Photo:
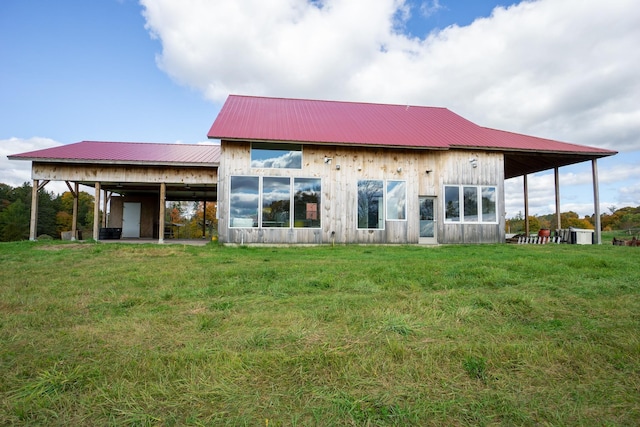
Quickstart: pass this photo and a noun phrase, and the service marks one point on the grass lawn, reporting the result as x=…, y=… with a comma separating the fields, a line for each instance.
x=115, y=334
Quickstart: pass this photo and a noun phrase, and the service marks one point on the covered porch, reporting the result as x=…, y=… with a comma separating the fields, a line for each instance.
x=132, y=182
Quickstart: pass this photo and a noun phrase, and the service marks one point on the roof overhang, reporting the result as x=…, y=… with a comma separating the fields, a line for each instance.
x=524, y=163
x=213, y=165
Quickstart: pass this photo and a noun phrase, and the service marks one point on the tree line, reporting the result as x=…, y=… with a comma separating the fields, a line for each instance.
x=627, y=218
x=55, y=212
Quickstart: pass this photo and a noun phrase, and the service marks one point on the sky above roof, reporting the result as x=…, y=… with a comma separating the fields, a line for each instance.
x=159, y=71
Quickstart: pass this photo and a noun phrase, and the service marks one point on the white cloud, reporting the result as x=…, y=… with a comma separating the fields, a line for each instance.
x=431, y=7
x=17, y=172
x=563, y=69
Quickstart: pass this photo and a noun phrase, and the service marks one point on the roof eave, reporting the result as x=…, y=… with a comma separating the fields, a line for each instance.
x=340, y=144
x=117, y=162
x=595, y=154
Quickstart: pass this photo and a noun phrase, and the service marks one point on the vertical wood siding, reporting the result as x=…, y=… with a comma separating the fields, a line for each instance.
x=339, y=192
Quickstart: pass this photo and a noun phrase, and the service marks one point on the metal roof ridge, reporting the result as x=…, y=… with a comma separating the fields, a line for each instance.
x=282, y=98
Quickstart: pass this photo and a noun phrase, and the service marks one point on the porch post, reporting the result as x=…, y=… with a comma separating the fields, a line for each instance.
x=96, y=214
x=557, y=182
x=596, y=203
x=74, y=221
x=204, y=219
x=104, y=208
x=163, y=195
x=33, y=225
x=526, y=205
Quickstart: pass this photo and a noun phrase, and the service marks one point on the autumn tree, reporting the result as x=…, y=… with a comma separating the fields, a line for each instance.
x=197, y=220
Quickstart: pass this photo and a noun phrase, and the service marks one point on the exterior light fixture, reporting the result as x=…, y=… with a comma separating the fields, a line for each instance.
x=337, y=167
x=327, y=160
x=474, y=162
x=428, y=171
x=399, y=169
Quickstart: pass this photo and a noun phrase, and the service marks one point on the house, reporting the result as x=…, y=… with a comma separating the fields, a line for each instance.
x=301, y=171
x=308, y=171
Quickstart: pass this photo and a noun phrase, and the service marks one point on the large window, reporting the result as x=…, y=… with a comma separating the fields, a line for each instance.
x=267, y=201
x=307, y=193
x=470, y=204
x=396, y=200
x=373, y=196
x=276, y=156
x=276, y=200
x=244, y=201
x=371, y=204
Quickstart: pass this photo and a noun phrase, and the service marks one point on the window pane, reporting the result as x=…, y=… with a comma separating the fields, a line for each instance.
x=451, y=203
x=243, y=201
x=276, y=199
x=370, y=204
x=279, y=156
x=396, y=200
x=489, y=204
x=470, y=204
x=427, y=217
x=306, y=199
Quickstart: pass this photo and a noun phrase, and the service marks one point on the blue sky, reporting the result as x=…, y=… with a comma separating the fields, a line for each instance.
x=159, y=70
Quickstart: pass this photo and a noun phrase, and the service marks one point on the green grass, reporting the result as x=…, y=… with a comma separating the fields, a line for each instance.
x=146, y=335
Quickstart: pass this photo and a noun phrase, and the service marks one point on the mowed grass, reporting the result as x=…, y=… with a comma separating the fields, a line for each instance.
x=146, y=335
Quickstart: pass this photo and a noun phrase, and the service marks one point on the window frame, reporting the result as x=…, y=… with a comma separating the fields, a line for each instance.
x=276, y=147
x=231, y=219
x=479, y=204
x=260, y=211
x=380, y=208
x=386, y=200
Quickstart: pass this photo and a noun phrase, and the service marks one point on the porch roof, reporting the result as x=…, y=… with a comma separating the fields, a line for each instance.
x=134, y=153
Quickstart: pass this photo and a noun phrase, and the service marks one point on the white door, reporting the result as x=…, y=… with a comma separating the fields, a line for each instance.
x=428, y=220
x=131, y=220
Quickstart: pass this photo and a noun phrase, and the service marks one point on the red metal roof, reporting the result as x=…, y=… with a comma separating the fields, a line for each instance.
x=351, y=123
x=127, y=152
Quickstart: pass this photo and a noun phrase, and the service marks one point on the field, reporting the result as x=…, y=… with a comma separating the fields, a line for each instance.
x=116, y=334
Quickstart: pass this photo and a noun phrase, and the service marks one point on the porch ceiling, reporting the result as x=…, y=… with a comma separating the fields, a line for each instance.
x=523, y=163
x=175, y=192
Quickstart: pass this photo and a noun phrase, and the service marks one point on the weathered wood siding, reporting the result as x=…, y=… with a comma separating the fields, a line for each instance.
x=339, y=192
x=122, y=173
x=455, y=168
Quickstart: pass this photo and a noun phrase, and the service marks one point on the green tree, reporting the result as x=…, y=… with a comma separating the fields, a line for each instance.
x=14, y=222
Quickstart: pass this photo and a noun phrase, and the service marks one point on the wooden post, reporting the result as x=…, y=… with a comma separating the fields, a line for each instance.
x=104, y=208
x=163, y=195
x=74, y=221
x=526, y=205
x=33, y=225
x=557, y=182
x=596, y=203
x=96, y=214
x=204, y=219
